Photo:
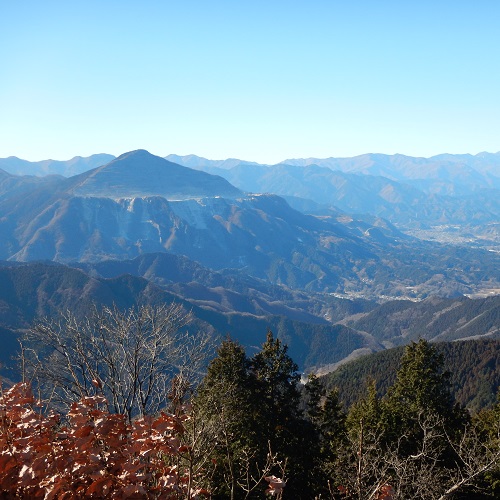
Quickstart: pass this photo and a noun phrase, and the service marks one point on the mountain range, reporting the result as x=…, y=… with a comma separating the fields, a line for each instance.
x=140, y=203
x=448, y=198
x=444, y=173
x=316, y=254
x=76, y=165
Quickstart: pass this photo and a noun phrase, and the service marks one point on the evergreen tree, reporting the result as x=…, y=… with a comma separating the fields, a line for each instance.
x=421, y=383
x=487, y=425
x=422, y=422
x=315, y=393
x=283, y=425
x=277, y=375
x=359, y=458
x=332, y=427
x=325, y=413
x=422, y=390
x=367, y=413
x=226, y=404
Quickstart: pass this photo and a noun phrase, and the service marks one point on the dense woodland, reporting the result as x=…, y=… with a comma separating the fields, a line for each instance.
x=472, y=366
x=121, y=412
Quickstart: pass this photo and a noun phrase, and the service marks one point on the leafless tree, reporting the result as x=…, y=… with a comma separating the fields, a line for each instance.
x=131, y=357
x=476, y=455
x=371, y=470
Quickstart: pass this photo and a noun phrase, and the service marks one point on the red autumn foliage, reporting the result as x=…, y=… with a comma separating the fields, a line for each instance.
x=95, y=455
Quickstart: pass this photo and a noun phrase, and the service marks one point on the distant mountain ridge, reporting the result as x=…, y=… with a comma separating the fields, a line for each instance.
x=416, y=193
x=480, y=170
x=76, y=165
x=401, y=203
x=194, y=161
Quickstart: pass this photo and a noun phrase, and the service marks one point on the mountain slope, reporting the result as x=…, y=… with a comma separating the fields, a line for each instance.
x=474, y=367
x=444, y=174
x=230, y=290
x=400, y=203
x=436, y=319
x=33, y=290
x=261, y=236
x=139, y=173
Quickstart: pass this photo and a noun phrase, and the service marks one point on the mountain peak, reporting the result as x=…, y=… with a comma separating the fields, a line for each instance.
x=136, y=153
x=139, y=173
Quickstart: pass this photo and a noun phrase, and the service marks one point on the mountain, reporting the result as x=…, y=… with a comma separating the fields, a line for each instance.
x=120, y=211
x=260, y=235
x=75, y=166
x=200, y=163
x=33, y=290
x=141, y=228
x=12, y=186
x=321, y=331
x=435, y=319
x=420, y=195
x=139, y=173
x=228, y=290
x=443, y=174
x=402, y=204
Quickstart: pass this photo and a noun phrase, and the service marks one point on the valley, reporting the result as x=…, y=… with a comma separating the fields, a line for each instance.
x=297, y=247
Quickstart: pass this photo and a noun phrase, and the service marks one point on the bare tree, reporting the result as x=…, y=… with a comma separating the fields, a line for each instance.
x=476, y=455
x=131, y=357
x=372, y=470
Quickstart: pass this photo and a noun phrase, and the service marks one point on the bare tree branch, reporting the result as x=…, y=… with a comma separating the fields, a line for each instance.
x=130, y=357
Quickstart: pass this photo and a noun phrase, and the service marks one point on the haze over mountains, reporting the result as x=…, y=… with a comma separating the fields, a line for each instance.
x=298, y=247
x=424, y=196
x=140, y=203
x=75, y=166
x=449, y=170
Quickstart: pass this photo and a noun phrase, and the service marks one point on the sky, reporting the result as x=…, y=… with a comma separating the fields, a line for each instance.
x=257, y=80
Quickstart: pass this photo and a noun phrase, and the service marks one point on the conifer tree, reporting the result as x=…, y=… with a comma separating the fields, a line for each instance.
x=421, y=383
x=333, y=430
x=328, y=418
x=359, y=459
x=422, y=390
x=315, y=393
x=282, y=423
x=226, y=403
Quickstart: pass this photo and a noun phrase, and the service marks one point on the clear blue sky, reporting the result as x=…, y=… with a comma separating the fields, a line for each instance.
x=257, y=80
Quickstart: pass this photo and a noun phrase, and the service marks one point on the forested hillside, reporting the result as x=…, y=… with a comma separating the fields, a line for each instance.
x=474, y=368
